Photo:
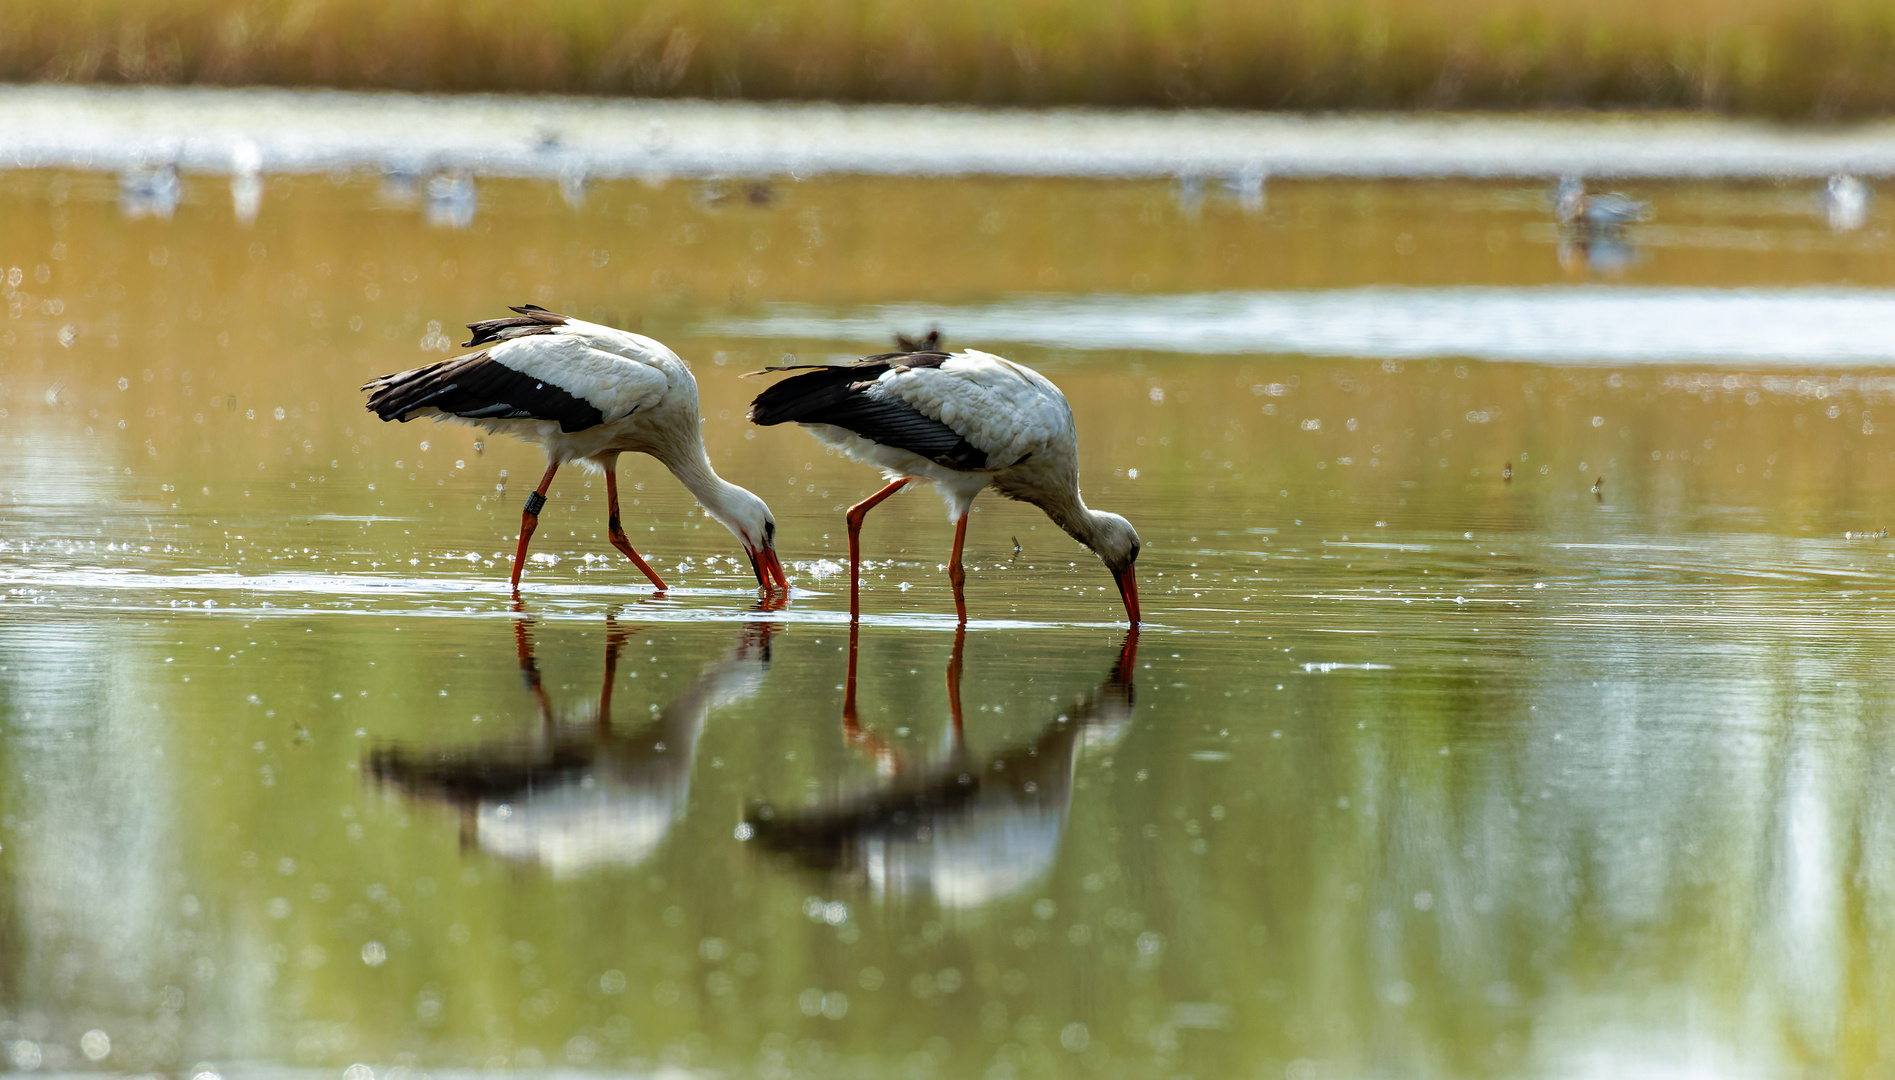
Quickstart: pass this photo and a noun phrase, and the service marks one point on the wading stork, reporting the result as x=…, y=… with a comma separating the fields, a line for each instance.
x=586, y=393
x=966, y=421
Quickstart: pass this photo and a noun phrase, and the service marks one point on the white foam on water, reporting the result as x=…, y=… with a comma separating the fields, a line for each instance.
x=250, y=595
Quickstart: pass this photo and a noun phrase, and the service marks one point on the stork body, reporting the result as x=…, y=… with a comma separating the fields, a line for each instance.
x=586, y=393
x=966, y=421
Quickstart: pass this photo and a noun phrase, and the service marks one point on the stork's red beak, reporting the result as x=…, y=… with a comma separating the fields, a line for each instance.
x=1128, y=591
x=769, y=569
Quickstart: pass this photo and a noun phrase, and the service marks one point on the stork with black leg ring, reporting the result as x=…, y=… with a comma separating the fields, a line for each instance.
x=586, y=393
x=966, y=421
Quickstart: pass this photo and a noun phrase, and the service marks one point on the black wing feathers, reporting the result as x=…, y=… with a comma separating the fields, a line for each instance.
x=486, y=772
x=479, y=388
x=532, y=319
x=844, y=395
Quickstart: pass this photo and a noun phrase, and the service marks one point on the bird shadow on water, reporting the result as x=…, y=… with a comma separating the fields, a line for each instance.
x=963, y=830
x=579, y=792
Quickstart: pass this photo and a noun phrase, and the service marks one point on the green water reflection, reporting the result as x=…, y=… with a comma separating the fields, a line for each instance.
x=1419, y=769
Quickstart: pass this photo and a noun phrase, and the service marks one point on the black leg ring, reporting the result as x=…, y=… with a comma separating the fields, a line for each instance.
x=534, y=503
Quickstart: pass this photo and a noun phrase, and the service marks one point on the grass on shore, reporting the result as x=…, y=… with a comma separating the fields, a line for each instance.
x=1790, y=59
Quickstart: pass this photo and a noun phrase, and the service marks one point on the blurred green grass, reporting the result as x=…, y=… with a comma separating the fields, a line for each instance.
x=1829, y=59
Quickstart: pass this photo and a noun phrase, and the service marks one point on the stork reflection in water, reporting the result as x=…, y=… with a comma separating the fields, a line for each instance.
x=1592, y=236
x=579, y=792
x=964, y=830
x=1607, y=253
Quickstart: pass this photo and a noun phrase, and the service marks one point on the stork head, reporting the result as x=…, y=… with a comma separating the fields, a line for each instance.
x=1116, y=543
x=749, y=520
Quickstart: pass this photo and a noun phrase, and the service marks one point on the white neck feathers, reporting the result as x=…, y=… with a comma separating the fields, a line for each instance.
x=689, y=462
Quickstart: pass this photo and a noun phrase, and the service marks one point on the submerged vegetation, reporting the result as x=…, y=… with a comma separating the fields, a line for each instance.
x=1780, y=58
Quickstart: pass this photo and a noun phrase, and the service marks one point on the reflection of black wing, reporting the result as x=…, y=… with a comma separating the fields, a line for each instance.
x=478, y=387
x=846, y=396
x=823, y=839
x=496, y=771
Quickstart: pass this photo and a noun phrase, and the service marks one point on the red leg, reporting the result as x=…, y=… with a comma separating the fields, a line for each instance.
x=523, y=645
x=530, y=520
x=851, y=726
x=954, y=683
x=617, y=532
x=856, y=514
x=614, y=643
x=956, y=574
x=852, y=729
x=530, y=672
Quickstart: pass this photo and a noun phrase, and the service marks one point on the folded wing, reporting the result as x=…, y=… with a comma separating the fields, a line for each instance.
x=850, y=397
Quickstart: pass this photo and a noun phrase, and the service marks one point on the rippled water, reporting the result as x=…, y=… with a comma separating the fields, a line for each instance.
x=1513, y=702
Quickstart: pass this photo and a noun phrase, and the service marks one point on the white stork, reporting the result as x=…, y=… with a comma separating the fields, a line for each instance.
x=967, y=421
x=584, y=393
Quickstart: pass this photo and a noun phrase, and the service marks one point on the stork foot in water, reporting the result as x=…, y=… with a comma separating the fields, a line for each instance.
x=530, y=520
x=617, y=531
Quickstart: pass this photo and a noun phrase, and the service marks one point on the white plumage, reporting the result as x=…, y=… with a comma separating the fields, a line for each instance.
x=584, y=393
x=615, y=371
x=965, y=421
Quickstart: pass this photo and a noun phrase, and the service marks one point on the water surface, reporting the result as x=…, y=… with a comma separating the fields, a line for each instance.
x=1513, y=701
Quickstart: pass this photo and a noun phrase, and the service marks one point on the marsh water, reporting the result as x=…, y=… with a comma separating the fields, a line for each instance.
x=1514, y=699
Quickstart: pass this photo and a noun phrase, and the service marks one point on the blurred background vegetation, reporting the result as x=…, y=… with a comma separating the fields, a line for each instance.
x=1790, y=59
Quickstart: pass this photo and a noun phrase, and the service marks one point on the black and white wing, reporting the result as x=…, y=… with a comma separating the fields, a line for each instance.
x=850, y=396
x=571, y=373
x=967, y=410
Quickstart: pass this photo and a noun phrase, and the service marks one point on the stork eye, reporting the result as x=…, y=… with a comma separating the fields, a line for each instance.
x=769, y=530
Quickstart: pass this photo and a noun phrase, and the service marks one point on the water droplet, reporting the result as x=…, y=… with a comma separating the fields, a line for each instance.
x=95, y=1045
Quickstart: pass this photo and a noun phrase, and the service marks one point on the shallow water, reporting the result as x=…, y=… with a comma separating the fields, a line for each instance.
x=1512, y=702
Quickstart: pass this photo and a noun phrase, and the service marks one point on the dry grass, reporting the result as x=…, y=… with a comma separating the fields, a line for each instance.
x=1781, y=58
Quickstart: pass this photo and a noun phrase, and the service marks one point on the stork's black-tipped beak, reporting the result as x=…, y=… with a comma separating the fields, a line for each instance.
x=1128, y=591
x=769, y=569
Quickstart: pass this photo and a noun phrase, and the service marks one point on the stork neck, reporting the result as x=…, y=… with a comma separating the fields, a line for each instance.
x=1070, y=512
x=692, y=466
